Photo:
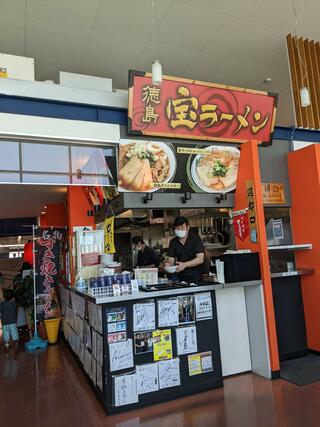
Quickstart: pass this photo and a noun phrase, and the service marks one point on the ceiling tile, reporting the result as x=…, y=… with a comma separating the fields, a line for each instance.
x=54, y=39
x=238, y=39
x=189, y=27
x=12, y=6
x=273, y=13
x=285, y=113
x=273, y=51
x=227, y=7
x=252, y=75
x=12, y=34
x=307, y=23
x=74, y=13
x=170, y=57
x=129, y=18
x=119, y=56
x=47, y=67
x=210, y=68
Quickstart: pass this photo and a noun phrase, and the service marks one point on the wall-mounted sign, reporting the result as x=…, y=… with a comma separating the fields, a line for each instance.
x=252, y=212
x=181, y=108
x=273, y=193
x=147, y=166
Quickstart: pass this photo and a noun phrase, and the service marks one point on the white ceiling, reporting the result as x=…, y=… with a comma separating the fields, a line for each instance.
x=239, y=42
x=20, y=200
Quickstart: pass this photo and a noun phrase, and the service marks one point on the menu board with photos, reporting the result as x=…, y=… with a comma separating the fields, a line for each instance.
x=149, y=166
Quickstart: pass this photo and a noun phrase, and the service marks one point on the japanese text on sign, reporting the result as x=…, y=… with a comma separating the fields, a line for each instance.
x=189, y=109
x=251, y=211
x=273, y=193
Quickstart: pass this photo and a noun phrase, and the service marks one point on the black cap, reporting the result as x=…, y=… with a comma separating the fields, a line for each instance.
x=180, y=220
x=137, y=239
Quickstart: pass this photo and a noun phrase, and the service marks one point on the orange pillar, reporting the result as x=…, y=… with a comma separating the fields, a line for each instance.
x=78, y=207
x=55, y=216
x=304, y=175
x=249, y=170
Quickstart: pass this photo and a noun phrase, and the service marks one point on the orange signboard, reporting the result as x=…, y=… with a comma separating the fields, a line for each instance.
x=273, y=193
x=181, y=108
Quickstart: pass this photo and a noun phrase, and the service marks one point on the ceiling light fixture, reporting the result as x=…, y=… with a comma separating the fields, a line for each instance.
x=156, y=65
x=304, y=91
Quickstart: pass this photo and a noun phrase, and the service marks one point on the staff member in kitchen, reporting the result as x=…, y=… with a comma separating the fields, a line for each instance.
x=147, y=258
x=186, y=250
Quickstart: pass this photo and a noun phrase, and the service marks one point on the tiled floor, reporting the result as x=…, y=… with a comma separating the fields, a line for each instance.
x=48, y=389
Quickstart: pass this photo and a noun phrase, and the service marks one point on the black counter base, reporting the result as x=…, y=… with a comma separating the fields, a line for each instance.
x=186, y=392
x=99, y=394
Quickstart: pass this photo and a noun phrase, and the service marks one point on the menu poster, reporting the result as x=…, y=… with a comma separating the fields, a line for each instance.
x=200, y=363
x=148, y=166
x=162, y=344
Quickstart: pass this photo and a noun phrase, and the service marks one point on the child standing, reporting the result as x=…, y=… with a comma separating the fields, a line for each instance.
x=8, y=313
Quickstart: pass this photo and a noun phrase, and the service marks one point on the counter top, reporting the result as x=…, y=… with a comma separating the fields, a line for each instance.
x=300, y=272
x=169, y=292
x=243, y=284
x=155, y=294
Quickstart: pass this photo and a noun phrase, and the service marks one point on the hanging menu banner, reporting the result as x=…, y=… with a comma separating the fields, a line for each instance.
x=147, y=166
x=181, y=108
x=48, y=248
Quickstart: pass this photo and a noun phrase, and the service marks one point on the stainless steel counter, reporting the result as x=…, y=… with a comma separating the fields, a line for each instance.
x=301, y=272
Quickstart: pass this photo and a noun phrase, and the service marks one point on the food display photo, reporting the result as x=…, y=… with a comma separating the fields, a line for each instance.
x=148, y=166
x=216, y=170
x=144, y=164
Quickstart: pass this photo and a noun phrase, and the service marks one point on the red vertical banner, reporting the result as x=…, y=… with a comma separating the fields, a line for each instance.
x=48, y=249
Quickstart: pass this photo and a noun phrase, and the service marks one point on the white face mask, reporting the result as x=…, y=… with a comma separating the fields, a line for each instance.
x=181, y=233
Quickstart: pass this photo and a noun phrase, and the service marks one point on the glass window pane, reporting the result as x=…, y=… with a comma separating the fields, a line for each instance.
x=92, y=180
x=45, y=158
x=45, y=179
x=89, y=160
x=9, y=177
x=9, y=155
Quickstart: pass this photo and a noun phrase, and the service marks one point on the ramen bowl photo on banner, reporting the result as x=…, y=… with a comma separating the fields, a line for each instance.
x=149, y=166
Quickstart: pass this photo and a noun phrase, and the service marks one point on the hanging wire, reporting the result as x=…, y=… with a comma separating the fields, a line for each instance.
x=153, y=27
x=302, y=65
x=25, y=28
